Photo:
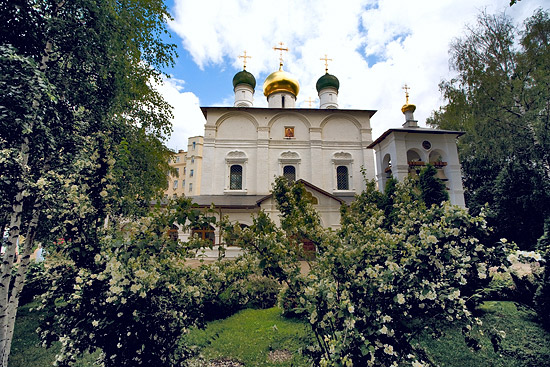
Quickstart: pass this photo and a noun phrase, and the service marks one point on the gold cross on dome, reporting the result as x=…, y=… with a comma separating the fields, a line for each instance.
x=309, y=101
x=281, y=49
x=326, y=59
x=244, y=57
x=406, y=88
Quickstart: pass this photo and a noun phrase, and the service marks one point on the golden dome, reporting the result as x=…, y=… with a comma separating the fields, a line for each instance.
x=281, y=81
x=408, y=108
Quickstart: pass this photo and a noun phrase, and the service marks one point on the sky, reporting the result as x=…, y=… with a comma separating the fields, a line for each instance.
x=376, y=48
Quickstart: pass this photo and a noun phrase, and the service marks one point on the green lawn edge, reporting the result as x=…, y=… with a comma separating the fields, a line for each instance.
x=250, y=335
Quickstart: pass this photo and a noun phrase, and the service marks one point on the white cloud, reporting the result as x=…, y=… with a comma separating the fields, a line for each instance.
x=188, y=119
x=409, y=40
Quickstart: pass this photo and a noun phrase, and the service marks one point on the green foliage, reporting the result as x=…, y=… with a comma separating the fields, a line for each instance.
x=432, y=189
x=27, y=349
x=138, y=297
x=35, y=284
x=525, y=344
x=235, y=285
x=373, y=287
x=249, y=336
x=499, y=98
x=280, y=248
x=532, y=289
x=253, y=292
x=79, y=83
x=541, y=299
x=134, y=300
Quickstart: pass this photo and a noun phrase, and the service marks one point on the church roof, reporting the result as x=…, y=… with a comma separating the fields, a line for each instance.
x=281, y=81
x=414, y=130
x=254, y=201
x=299, y=110
x=327, y=81
x=244, y=77
x=228, y=201
x=311, y=187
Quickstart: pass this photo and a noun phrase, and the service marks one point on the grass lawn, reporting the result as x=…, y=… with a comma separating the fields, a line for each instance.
x=26, y=350
x=250, y=336
x=526, y=344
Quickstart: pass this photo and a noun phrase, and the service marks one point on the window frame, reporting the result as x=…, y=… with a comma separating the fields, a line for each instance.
x=342, y=159
x=290, y=166
x=338, y=174
x=231, y=173
x=236, y=157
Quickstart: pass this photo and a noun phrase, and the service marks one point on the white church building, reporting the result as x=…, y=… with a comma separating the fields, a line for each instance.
x=245, y=148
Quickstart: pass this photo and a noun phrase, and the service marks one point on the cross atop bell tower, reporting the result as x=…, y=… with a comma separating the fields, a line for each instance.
x=406, y=88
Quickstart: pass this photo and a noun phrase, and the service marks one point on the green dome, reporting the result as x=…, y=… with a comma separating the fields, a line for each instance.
x=327, y=81
x=244, y=77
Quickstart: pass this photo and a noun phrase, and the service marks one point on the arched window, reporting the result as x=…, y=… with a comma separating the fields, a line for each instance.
x=205, y=233
x=289, y=172
x=173, y=232
x=236, y=177
x=235, y=172
x=342, y=180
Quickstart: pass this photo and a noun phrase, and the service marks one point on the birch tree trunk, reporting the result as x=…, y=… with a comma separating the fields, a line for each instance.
x=19, y=282
x=9, y=257
x=8, y=305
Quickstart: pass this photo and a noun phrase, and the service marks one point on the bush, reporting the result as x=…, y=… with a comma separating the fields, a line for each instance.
x=133, y=301
x=261, y=291
x=372, y=286
x=532, y=290
x=501, y=288
x=35, y=282
x=235, y=285
x=289, y=304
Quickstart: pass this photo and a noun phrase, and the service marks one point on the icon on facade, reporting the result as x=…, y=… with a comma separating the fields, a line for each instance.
x=289, y=132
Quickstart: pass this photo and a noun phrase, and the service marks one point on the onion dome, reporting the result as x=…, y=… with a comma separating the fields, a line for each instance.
x=244, y=77
x=408, y=108
x=327, y=81
x=281, y=81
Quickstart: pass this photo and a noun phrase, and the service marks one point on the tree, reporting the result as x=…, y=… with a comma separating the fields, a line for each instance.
x=136, y=299
x=500, y=98
x=76, y=80
x=373, y=288
x=432, y=189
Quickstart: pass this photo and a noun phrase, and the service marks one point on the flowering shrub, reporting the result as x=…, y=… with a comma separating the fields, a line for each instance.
x=235, y=285
x=374, y=287
x=533, y=289
x=133, y=309
x=133, y=302
x=137, y=298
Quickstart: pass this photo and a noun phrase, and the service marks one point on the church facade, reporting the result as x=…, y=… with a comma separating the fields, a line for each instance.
x=245, y=148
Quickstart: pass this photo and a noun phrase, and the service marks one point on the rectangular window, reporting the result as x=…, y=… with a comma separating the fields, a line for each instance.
x=289, y=172
x=192, y=159
x=236, y=177
x=191, y=173
x=184, y=170
x=183, y=184
x=177, y=159
x=175, y=184
x=194, y=143
x=342, y=179
x=190, y=187
x=177, y=172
